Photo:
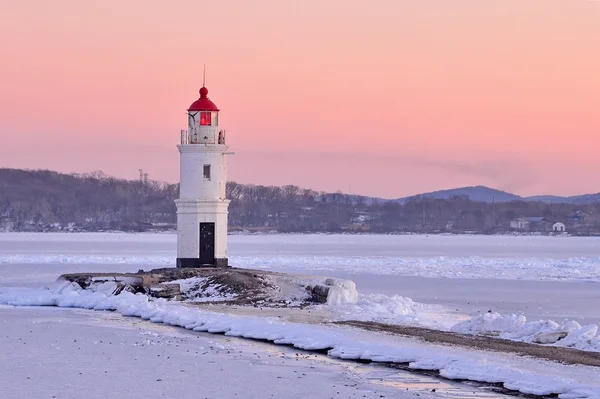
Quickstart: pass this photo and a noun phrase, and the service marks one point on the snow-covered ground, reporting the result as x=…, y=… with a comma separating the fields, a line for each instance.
x=450, y=278
x=191, y=290
x=72, y=354
x=521, y=374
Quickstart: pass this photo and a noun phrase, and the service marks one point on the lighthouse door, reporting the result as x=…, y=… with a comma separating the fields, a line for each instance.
x=207, y=243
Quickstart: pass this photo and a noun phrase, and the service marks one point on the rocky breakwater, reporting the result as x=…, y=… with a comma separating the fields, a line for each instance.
x=222, y=285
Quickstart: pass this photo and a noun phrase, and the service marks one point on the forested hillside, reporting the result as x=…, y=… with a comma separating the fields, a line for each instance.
x=49, y=201
x=30, y=200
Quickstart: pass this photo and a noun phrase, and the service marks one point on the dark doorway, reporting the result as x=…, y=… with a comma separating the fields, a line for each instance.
x=207, y=243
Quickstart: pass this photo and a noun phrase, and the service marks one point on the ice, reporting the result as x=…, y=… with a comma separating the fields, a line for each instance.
x=75, y=354
x=524, y=375
x=400, y=310
x=464, y=269
x=582, y=338
x=341, y=291
x=515, y=327
x=380, y=308
x=500, y=257
x=491, y=324
x=472, y=257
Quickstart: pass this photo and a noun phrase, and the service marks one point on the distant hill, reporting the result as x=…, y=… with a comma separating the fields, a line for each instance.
x=488, y=195
x=553, y=199
x=575, y=200
x=476, y=193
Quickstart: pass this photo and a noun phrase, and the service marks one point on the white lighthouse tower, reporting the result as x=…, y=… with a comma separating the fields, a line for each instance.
x=202, y=206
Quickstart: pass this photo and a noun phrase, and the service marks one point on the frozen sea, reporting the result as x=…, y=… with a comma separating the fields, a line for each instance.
x=58, y=352
x=542, y=277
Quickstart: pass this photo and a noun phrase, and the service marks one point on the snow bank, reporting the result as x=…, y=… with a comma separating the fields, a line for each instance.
x=399, y=310
x=522, y=374
x=70, y=295
x=381, y=308
x=516, y=327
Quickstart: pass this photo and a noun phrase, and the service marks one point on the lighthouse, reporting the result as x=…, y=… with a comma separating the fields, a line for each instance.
x=202, y=206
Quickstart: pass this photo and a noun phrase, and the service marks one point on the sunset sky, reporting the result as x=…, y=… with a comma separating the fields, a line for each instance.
x=382, y=97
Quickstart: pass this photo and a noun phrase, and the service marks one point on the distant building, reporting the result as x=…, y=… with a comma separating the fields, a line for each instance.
x=537, y=219
x=535, y=223
x=519, y=224
x=559, y=227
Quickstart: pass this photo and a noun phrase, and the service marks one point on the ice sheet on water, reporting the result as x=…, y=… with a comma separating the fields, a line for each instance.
x=476, y=267
x=478, y=257
x=522, y=374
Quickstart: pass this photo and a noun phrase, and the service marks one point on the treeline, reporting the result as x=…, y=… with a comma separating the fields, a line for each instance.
x=49, y=201
x=46, y=200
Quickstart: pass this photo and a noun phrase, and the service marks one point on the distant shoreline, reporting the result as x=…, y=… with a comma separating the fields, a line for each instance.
x=361, y=233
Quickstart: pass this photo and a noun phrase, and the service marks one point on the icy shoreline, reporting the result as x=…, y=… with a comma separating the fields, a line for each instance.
x=524, y=375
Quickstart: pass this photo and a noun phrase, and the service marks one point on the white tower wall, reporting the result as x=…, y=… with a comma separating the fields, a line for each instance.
x=193, y=184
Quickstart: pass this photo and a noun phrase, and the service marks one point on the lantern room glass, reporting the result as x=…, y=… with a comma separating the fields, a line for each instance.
x=205, y=119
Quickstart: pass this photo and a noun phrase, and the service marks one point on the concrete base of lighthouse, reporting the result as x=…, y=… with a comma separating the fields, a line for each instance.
x=202, y=233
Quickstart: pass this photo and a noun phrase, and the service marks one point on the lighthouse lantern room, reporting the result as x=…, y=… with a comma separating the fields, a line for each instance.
x=202, y=206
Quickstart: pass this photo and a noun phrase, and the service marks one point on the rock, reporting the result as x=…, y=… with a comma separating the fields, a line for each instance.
x=165, y=290
x=236, y=286
x=319, y=292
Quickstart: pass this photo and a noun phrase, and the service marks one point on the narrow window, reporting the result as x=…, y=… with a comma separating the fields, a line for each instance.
x=207, y=172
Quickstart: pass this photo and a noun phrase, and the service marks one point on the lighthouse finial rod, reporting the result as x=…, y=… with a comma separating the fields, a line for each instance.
x=204, y=76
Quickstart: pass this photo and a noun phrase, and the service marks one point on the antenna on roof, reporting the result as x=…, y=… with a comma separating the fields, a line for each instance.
x=204, y=76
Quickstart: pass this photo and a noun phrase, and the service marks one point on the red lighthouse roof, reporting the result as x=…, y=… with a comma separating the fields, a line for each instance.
x=203, y=103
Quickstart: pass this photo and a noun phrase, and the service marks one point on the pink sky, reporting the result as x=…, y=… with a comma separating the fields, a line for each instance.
x=386, y=98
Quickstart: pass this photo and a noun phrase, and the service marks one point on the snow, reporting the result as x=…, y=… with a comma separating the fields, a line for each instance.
x=398, y=310
x=395, y=309
x=74, y=354
x=516, y=327
x=549, y=283
x=201, y=289
x=461, y=300
x=474, y=257
x=341, y=291
x=524, y=375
